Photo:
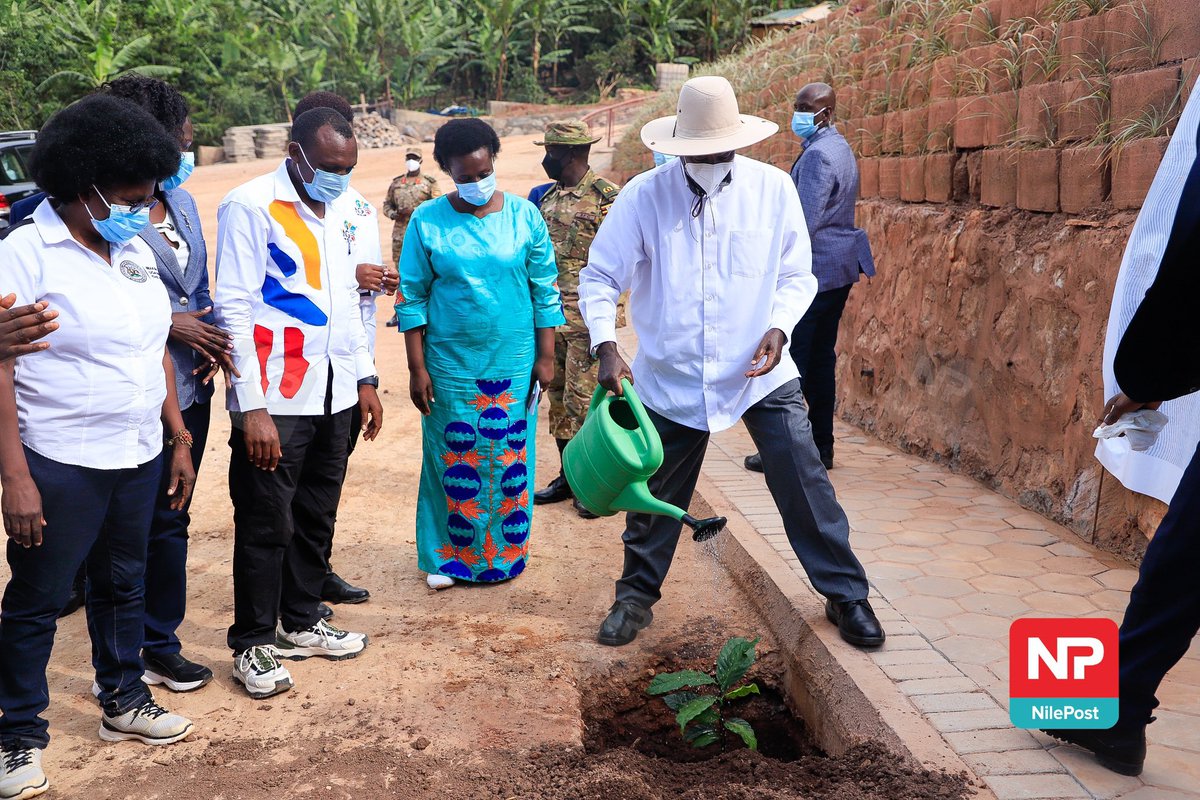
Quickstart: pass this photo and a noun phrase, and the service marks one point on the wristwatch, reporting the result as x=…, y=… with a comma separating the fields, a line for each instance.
x=371, y=381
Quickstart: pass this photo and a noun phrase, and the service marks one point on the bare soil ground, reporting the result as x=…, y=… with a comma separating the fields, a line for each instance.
x=495, y=692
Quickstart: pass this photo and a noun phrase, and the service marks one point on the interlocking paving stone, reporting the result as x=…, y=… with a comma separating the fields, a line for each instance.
x=983, y=719
x=1014, y=762
x=1102, y=783
x=954, y=701
x=1035, y=787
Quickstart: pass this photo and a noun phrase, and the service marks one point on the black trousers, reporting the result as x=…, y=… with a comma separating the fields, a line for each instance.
x=283, y=525
x=816, y=526
x=1164, y=607
x=812, y=348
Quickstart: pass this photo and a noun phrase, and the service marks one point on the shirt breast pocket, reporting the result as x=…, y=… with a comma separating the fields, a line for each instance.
x=748, y=251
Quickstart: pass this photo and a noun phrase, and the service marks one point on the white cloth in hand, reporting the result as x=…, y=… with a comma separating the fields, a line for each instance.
x=1141, y=428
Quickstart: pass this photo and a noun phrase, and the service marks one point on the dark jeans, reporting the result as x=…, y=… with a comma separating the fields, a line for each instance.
x=1164, y=607
x=283, y=524
x=166, y=556
x=816, y=526
x=95, y=514
x=812, y=348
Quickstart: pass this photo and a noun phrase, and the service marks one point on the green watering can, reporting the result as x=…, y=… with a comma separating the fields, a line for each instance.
x=608, y=462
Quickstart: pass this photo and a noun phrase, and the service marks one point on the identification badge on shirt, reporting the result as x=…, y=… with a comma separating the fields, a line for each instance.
x=134, y=272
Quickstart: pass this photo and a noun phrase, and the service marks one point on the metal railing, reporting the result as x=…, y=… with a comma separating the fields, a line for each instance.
x=610, y=112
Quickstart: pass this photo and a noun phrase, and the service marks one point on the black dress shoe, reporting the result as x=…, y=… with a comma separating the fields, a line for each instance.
x=325, y=611
x=754, y=463
x=624, y=621
x=175, y=672
x=827, y=460
x=583, y=512
x=74, y=602
x=1121, y=748
x=856, y=622
x=556, y=492
x=337, y=590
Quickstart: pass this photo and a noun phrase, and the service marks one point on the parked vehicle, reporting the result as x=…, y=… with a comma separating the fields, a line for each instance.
x=15, y=183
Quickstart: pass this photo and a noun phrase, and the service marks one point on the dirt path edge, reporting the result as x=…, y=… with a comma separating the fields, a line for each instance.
x=843, y=697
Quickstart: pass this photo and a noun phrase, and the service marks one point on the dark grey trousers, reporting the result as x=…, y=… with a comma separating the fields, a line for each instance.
x=815, y=523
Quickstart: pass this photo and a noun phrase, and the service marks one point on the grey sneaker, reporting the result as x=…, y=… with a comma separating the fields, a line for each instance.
x=149, y=723
x=259, y=671
x=322, y=639
x=21, y=774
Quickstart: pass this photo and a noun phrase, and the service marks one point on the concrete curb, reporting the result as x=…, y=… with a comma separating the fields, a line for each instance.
x=844, y=698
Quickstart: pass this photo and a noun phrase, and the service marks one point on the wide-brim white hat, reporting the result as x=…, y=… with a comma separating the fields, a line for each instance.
x=707, y=121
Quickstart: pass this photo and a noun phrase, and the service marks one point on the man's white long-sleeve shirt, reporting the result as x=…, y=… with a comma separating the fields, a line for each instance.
x=287, y=293
x=703, y=290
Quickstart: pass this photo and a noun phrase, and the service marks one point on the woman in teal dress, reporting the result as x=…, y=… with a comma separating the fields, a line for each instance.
x=478, y=304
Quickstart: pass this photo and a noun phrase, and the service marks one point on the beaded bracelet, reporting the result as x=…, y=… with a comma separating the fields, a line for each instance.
x=183, y=437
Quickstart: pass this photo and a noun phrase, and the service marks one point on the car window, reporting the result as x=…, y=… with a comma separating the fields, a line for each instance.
x=12, y=167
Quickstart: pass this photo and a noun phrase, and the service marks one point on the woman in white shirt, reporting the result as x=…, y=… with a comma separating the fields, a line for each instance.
x=81, y=425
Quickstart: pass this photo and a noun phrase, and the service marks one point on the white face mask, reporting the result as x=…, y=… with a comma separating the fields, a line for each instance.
x=412, y=164
x=709, y=176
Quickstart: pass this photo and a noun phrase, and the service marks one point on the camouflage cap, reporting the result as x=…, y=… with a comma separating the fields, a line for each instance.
x=414, y=151
x=568, y=132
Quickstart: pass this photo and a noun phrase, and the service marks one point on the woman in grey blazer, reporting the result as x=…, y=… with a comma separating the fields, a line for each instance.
x=198, y=350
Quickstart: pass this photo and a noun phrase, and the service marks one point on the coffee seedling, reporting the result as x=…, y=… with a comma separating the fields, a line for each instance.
x=701, y=700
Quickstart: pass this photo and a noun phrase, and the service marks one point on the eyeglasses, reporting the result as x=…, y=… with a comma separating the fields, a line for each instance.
x=126, y=208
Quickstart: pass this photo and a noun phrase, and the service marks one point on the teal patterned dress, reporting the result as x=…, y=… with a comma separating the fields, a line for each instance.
x=479, y=287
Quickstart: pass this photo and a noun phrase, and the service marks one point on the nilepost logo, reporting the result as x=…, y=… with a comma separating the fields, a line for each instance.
x=1063, y=673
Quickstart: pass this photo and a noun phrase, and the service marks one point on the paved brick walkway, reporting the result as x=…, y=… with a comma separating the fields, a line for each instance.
x=951, y=564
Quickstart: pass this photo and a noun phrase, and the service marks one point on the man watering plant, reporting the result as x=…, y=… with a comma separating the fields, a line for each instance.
x=715, y=254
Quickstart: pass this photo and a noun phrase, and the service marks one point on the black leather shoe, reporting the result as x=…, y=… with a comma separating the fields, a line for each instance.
x=754, y=463
x=624, y=621
x=1121, y=748
x=175, y=672
x=74, y=602
x=856, y=622
x=325, y=611
x=394, y=322
x=583, y=512
x=827, y=460
x=556, y=492
x=337, y=590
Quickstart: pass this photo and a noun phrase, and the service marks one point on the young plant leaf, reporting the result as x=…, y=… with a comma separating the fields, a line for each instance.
x=735, y=660
x=705, y=739
x=674, y=681
x=742, y=691
x=693, y=709
x=677, y=700
x=696, y=731
x=708, y=717
x=742, y=729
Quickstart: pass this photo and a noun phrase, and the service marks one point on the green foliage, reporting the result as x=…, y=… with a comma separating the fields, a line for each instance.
x=701, y=716
x=248, y=61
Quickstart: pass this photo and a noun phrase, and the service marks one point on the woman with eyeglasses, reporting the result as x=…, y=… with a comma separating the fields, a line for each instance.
x=478, y=304
x=81, y=426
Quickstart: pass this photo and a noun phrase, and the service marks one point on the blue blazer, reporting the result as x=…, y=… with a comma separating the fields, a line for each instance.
x=826, y=176
x=188, y=290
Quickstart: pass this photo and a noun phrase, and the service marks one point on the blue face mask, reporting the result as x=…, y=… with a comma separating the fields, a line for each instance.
x=325, y=187
x=187, y=165
x=478, y=193
x=123, y=223
x=804, y=123
x=660, y=159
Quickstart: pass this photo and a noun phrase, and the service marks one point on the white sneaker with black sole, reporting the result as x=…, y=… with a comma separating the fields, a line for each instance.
x=149, y=723
x=322, y=640
x=21, y=774
x=259, y=671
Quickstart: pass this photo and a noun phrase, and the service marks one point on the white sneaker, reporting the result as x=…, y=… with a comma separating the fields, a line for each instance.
x=322, y=640
x=439, y=582
x=149, y=723
x=21, y=774
x=258, y=669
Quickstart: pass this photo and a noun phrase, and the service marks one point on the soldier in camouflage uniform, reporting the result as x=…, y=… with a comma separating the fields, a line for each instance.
x=404, y=195
x=573, y=210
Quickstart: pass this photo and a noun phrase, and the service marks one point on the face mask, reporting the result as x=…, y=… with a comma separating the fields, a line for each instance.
x=660, y=159
x=553, y=167
x=804, y=123
x=187, y=165
x=123, y=224
x=709, y=176
x=325, y=186
x=477, y=194
x=412, y=164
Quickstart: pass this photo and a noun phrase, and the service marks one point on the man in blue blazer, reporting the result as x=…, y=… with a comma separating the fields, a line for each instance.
x=826, y=176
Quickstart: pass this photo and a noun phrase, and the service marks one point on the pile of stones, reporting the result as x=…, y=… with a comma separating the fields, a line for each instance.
x=270, y=141
x=373, y=131
x=239, y=144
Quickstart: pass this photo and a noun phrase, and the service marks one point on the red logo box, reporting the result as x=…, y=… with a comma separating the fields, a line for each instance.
x=1050, y=658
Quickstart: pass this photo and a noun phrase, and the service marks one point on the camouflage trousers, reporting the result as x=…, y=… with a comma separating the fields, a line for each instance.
x=397, y=244
x=574, y=382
